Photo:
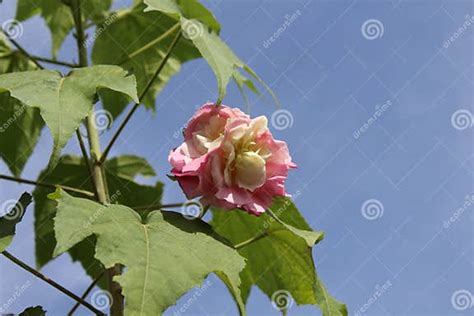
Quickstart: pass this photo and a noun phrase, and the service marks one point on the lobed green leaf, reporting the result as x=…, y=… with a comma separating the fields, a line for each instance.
x=200, y=26
x=65, y=101
x=281, y=260
x=165, y=255
x=17, y=121
x=71, y=171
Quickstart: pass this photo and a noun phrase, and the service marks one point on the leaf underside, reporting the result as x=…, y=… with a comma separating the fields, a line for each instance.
x=65, y=101
x=122, y=190
x=17, y=122
x=152, y=281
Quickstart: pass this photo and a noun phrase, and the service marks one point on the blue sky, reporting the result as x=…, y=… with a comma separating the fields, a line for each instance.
x=405, y=70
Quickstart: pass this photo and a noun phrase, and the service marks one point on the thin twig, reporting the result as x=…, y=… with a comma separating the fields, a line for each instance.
x=145, y=91
x=53, y=61
x=150, y=44
x=251, y=240
x=158, y=206
x=86, y=292
x=47, y=185
x=87, y=161
x=51, y=282
x=22, y=50
x=204, y=211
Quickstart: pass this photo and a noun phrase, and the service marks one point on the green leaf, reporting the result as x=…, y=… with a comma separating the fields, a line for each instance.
x=129, y=166
x=33, y=311
x=71, y=171
x=58, y=16
x=65, y=101
x=199, y=25
x=17, y=122
x=152, y=281
x=190, y=9
x=285, y=238
x=138, y=29
x=14, y=216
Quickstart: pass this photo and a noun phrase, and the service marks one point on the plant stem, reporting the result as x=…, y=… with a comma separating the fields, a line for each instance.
x=47, y=185
x=95, y=153
x=98, y=176
x=142, y=95
x=52, y=61
x=87, y=161
x=86, y=292
x=51, y=282
x=22, y=50
x=251, y=240
x=157, y=206
x=150, y=44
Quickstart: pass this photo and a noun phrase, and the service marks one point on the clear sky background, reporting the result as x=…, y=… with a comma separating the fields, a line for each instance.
x=332, y=76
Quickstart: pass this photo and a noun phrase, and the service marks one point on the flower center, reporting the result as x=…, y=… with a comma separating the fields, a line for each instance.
x=249, y=172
